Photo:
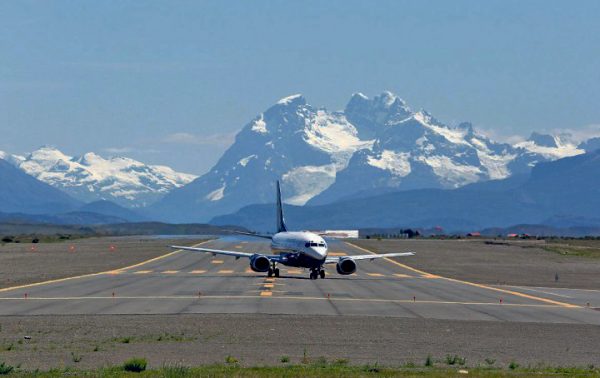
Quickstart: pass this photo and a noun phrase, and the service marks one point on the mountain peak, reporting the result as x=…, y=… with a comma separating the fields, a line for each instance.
x=543, y=140
x=294, y=100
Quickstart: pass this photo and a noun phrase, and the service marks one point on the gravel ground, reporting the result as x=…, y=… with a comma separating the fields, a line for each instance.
x=26, y=263
x=96, y=341
x=521, y=263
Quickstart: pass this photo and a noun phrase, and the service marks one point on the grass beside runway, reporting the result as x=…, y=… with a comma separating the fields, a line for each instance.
x=311, y=369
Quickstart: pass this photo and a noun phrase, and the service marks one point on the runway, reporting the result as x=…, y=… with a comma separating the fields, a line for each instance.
x=189, y=282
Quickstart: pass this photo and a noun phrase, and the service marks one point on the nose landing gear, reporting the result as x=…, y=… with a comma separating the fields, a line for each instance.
x=316, y=273
x=273, y=271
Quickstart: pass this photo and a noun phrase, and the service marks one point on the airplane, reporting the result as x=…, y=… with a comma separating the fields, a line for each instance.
x=299, y=249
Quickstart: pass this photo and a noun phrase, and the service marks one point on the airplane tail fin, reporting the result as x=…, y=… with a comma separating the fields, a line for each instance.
x=280, y=221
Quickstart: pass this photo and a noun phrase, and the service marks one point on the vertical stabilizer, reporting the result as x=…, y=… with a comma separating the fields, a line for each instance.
x=280, y=221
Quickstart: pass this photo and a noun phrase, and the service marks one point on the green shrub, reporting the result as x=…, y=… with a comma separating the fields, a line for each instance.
x=5, y=369
x=284, y=359
x=455, y=360
x=429, y=361
x=513, y=365
x=231, y=360
x=75, y=357
x=135, y=365
x=490, y=361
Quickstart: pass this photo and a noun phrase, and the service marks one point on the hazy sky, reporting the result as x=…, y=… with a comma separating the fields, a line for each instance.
x=134, y=78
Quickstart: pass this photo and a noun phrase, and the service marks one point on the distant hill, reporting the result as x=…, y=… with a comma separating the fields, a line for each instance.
x=568, y=188
x=21, y=193
x=109, y=208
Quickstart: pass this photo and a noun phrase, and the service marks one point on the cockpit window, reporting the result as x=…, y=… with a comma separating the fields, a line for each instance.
x=307, y=245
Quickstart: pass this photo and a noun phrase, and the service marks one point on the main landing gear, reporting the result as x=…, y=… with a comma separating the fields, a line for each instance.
x=316, y=273
x=273, y=271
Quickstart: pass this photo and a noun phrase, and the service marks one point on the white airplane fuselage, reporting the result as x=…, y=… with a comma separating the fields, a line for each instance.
x=309, y=247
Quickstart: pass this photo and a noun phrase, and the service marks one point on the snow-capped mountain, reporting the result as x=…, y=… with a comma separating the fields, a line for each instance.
x=374, y=145
x=91, y=177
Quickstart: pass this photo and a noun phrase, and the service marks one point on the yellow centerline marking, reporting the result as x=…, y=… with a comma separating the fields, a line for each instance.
x=432, y=276
x=216, y=261
x=170, y=271
x=506, y=291
x=225, y=271
x=293, y=271
x=198, y=271
x=269, y=293
x=143, y=272
x=337, y=254
x=238, y=246
x=95, y=274
x=269, y=285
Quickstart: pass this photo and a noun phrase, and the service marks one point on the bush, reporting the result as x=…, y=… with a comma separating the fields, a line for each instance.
x=135, y=365
x=429, y=361
x=284, y=359
x=5, y=369
x=231, y=360
x=513, y=365
x=455, y=360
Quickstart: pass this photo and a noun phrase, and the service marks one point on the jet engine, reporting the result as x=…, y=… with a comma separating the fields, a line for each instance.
x=346, y=266
x=260, y=263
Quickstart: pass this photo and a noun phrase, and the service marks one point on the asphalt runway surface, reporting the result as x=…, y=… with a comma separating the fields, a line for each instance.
x=184, y=282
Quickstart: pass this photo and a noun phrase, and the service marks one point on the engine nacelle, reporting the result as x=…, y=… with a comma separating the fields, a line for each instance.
x=260, y=263
x=346, y=266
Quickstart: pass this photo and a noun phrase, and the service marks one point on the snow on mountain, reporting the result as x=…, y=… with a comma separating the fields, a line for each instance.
x=91, y=177
x=550, y=147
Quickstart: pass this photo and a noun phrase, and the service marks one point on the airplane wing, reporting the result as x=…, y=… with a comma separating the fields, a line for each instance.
x=252, y=234
x=335, y=260
x=236, y=254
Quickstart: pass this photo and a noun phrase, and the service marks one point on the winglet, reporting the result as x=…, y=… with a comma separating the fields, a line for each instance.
x=280, y=221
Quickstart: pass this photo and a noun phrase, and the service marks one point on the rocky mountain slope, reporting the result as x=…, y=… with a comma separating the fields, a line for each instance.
x=22, y=193
x=556, y=193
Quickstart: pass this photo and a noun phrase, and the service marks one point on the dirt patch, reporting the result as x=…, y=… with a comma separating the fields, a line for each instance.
x=525, y=263
x=24, y=263
x=102, y=340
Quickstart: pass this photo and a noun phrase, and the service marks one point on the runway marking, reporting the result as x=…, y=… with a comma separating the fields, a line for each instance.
x=95, y=274
x=248, y=270
x=268, y=293
x=375, y=274
x=294, y=271
x=216, y=262
x=269, y=279
x=114, y=272
x=198, y=271
x=402, y=275
x=541, y=291
x=238, y=246
x=337, y=254
x=432, y=276
x=170, y=271
x=269, y=285
x=481, y=286
x=225, y=271
x=143, y=272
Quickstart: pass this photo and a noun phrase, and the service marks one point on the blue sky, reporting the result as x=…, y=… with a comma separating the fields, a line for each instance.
x=170, y=82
